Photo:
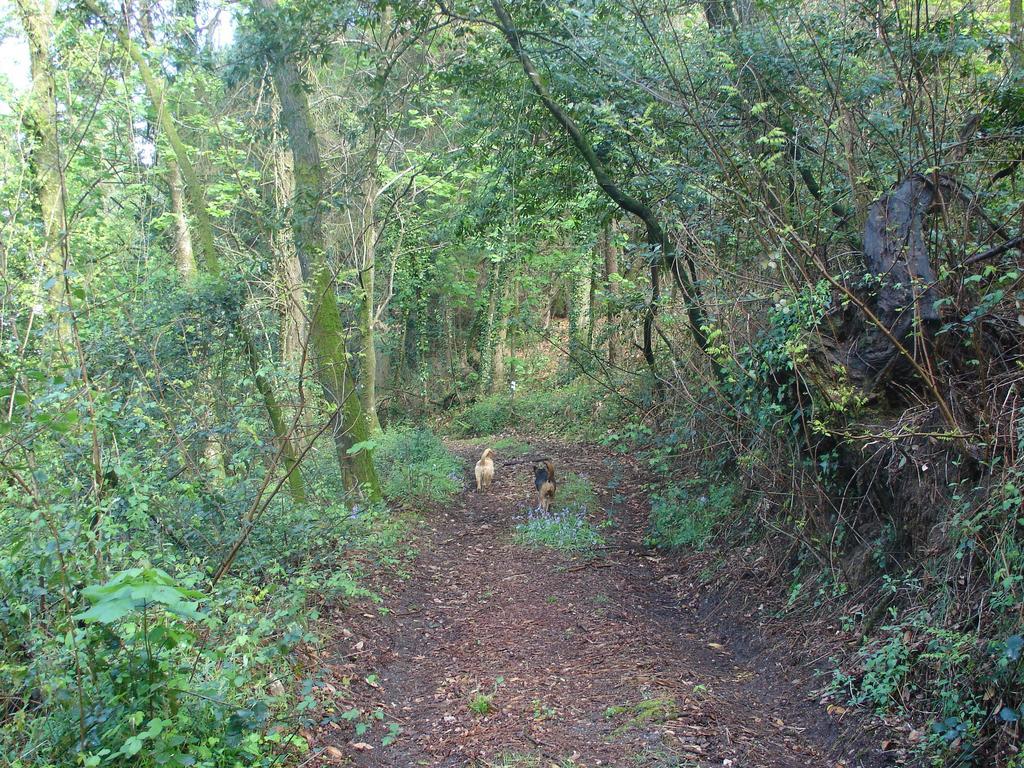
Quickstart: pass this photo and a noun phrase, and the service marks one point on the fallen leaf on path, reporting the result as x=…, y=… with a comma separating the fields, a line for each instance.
x=361, y=746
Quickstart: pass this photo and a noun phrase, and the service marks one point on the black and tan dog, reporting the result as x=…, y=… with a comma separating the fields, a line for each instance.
x=544, y=479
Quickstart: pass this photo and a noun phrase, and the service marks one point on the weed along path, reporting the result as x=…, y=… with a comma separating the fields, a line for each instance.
x=498, y=653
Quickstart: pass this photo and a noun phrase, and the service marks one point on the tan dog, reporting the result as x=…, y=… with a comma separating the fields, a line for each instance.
x=485, y=470
x=544, y=479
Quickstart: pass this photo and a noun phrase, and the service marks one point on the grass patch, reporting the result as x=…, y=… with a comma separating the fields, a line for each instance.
x=414, y=465
x=519, y=760
x=504, y=447
x=642, y=713
x=577, y=491
x=686, y=514
x=512, y=448
x=482, y=704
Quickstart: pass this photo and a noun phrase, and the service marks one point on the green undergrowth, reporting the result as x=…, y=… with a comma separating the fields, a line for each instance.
x=579, y=410
x=512, y=447
x=520, y=760
x=687, y=513
x=507, y=447
x=641, y=714
x=415, y=466
x=688, y=509
x=158, y=624
x=930, y=646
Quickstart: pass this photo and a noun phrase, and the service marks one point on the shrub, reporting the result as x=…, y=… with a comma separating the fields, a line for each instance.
x=685, y=514
x=414, y=465
x=485, y=417
x=578, y=409
x=137, y=660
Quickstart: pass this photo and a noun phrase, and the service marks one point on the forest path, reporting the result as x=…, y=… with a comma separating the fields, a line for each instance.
x=587, y=662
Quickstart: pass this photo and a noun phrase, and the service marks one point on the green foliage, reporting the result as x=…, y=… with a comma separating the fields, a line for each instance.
x=415, y=466
x=481, y=704
x=576, y=491
x=685, y=514
x=487, y=416
x=363, y=723
x=885, y=673
x=509, y=447
x=138, y=589
x=135, y=446
x=642, y=713
x=580, y=409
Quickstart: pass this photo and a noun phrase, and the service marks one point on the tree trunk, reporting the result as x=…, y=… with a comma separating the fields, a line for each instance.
x=1016, y=36
x=367, y=273
x=294, y=333
x=184, y=257
x=611, y=276
x=40, y=120
x=326, y=333
x=499, y=373
x=581, y=315
x=499, y=378
x=294, y=330
x=487, y=341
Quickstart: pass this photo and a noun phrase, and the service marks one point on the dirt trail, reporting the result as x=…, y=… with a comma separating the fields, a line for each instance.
x=586, y=662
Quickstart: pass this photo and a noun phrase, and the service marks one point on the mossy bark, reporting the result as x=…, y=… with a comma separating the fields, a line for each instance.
x=581, y=322
x=326, y=332
x=367, y=274
x=40, y=121
x=611, y=276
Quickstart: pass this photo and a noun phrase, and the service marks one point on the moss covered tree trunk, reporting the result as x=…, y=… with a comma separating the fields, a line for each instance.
x=40, y=121
x=581, y=316
x=611, y=286
x=368, y=307
x=326, y=333
x=487, y=341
